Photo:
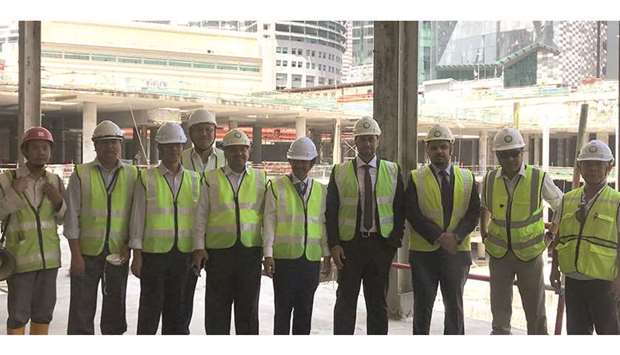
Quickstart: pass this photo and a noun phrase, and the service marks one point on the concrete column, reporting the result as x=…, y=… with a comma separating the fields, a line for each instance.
x=337, y=153
x=603, y=136
x=526, y=153
x=89, y=122
x=545, y=148
x=153, y=146
x=29, y=90
x=256, y=154
x=300, y=126
x=483, y=149
x=537, y=151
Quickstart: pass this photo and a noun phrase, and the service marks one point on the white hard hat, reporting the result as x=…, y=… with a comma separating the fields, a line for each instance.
x=439, y=133
x=170, y=132
x=595, y=150
x=235, y=137
x=302, y=149
x=366, y=126
x=508, y=139
x=107, y=130
x=201, y=116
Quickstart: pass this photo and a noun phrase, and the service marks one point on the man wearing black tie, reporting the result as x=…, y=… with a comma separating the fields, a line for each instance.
x=443, y=208
x=365, y=221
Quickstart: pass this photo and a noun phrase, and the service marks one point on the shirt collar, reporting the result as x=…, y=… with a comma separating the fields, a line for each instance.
x=22, y=171
x=295, y=180
x=228, y=171
x=501, y=172
x=372, y=162
x=436, y=169
x=164, y=171
x=119, y=163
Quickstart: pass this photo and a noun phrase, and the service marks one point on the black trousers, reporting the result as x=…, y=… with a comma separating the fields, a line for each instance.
x=32, y=297
x=162, y=287
x=430, y=269
x=294, y=284
x=233, y=279
x=187, y=306
x=590, y=304
x=83, y=303
x=368, y=262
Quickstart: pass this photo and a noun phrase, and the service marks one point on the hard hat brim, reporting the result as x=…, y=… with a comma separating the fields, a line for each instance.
x=515, y=147
x=107, y=138
x=595, y=159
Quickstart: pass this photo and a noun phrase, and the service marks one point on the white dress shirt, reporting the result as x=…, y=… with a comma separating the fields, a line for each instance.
x=202, y=211
x=550, y=193
x=73, y=198
x=197, y=164
x=138, y=209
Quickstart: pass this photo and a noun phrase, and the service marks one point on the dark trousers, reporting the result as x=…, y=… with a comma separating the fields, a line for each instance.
x=233, y=279
x=294, y=284
x=83, y=303
x=188, y=300
x=368, y=261
x=590, y=304
x=162, y=287
x=428, y=270
x=32, y=296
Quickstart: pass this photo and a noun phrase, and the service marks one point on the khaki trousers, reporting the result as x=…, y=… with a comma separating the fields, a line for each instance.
x=531, y=284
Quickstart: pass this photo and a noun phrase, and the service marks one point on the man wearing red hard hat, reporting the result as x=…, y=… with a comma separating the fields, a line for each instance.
x=31, y=208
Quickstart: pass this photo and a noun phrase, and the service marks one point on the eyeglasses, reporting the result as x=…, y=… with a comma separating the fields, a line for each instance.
x=508, y=154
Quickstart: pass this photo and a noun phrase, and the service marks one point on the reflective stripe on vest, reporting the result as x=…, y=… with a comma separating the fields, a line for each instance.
x=231, y=216
x=591, y=248
x=429, y=202
x=298, y=227
x=168, y=219
x=31, y=233
x=190, y=164
x=522, y=214
x=102, y=216
x=349, y=195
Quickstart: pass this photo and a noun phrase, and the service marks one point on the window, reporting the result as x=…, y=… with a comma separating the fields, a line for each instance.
x=331, y=82
x=297, y=29
x=296, y=81
x=293, y=64
x=313, y=66
x=179, y=63
x=313, y=53
x=311, y=31
x=309, y=81
x=282, y=28
x=278, y=63
x=202, y=65
x=321, y=81
x=285, y=63
x=52, y=55
x=249, y=68
x=79, y=56
x=281, y=79
x=284, y=50
x=265, y=27
x=307, y=65
x=130, y=60
x=227, y=67
x=278, y=49
x=149, y=61
x=307, y=52
x=300, y=64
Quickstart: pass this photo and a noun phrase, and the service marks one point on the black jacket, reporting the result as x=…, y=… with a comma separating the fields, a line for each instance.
x=333, y=205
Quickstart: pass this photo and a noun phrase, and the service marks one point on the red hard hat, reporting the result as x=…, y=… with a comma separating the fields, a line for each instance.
x=37, y=133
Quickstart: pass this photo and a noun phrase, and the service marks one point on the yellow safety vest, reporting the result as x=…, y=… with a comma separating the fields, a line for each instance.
x=590, y=248
x=169, y=220
x=345, y=177
x=516, y=221
x=299, y=227
x=429, y=202
x=31, y=232
x=234, y=216
x=104, y=216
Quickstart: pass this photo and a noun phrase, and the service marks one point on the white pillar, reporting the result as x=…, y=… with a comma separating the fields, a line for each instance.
x=483, y=149
x=526, y=152
x=300, y=126
x=336, y=154
x=89, y=122
x=545, y=148
x=536, y=151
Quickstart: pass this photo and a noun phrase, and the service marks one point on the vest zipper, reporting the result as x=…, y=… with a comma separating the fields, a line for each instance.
x=581, y=227
x=236, y=199
x=509, y=211
x=39, y=230
x=176, y=210
x=109, y=206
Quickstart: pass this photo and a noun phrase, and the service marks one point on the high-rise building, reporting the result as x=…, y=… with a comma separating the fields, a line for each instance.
x=303, y=53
